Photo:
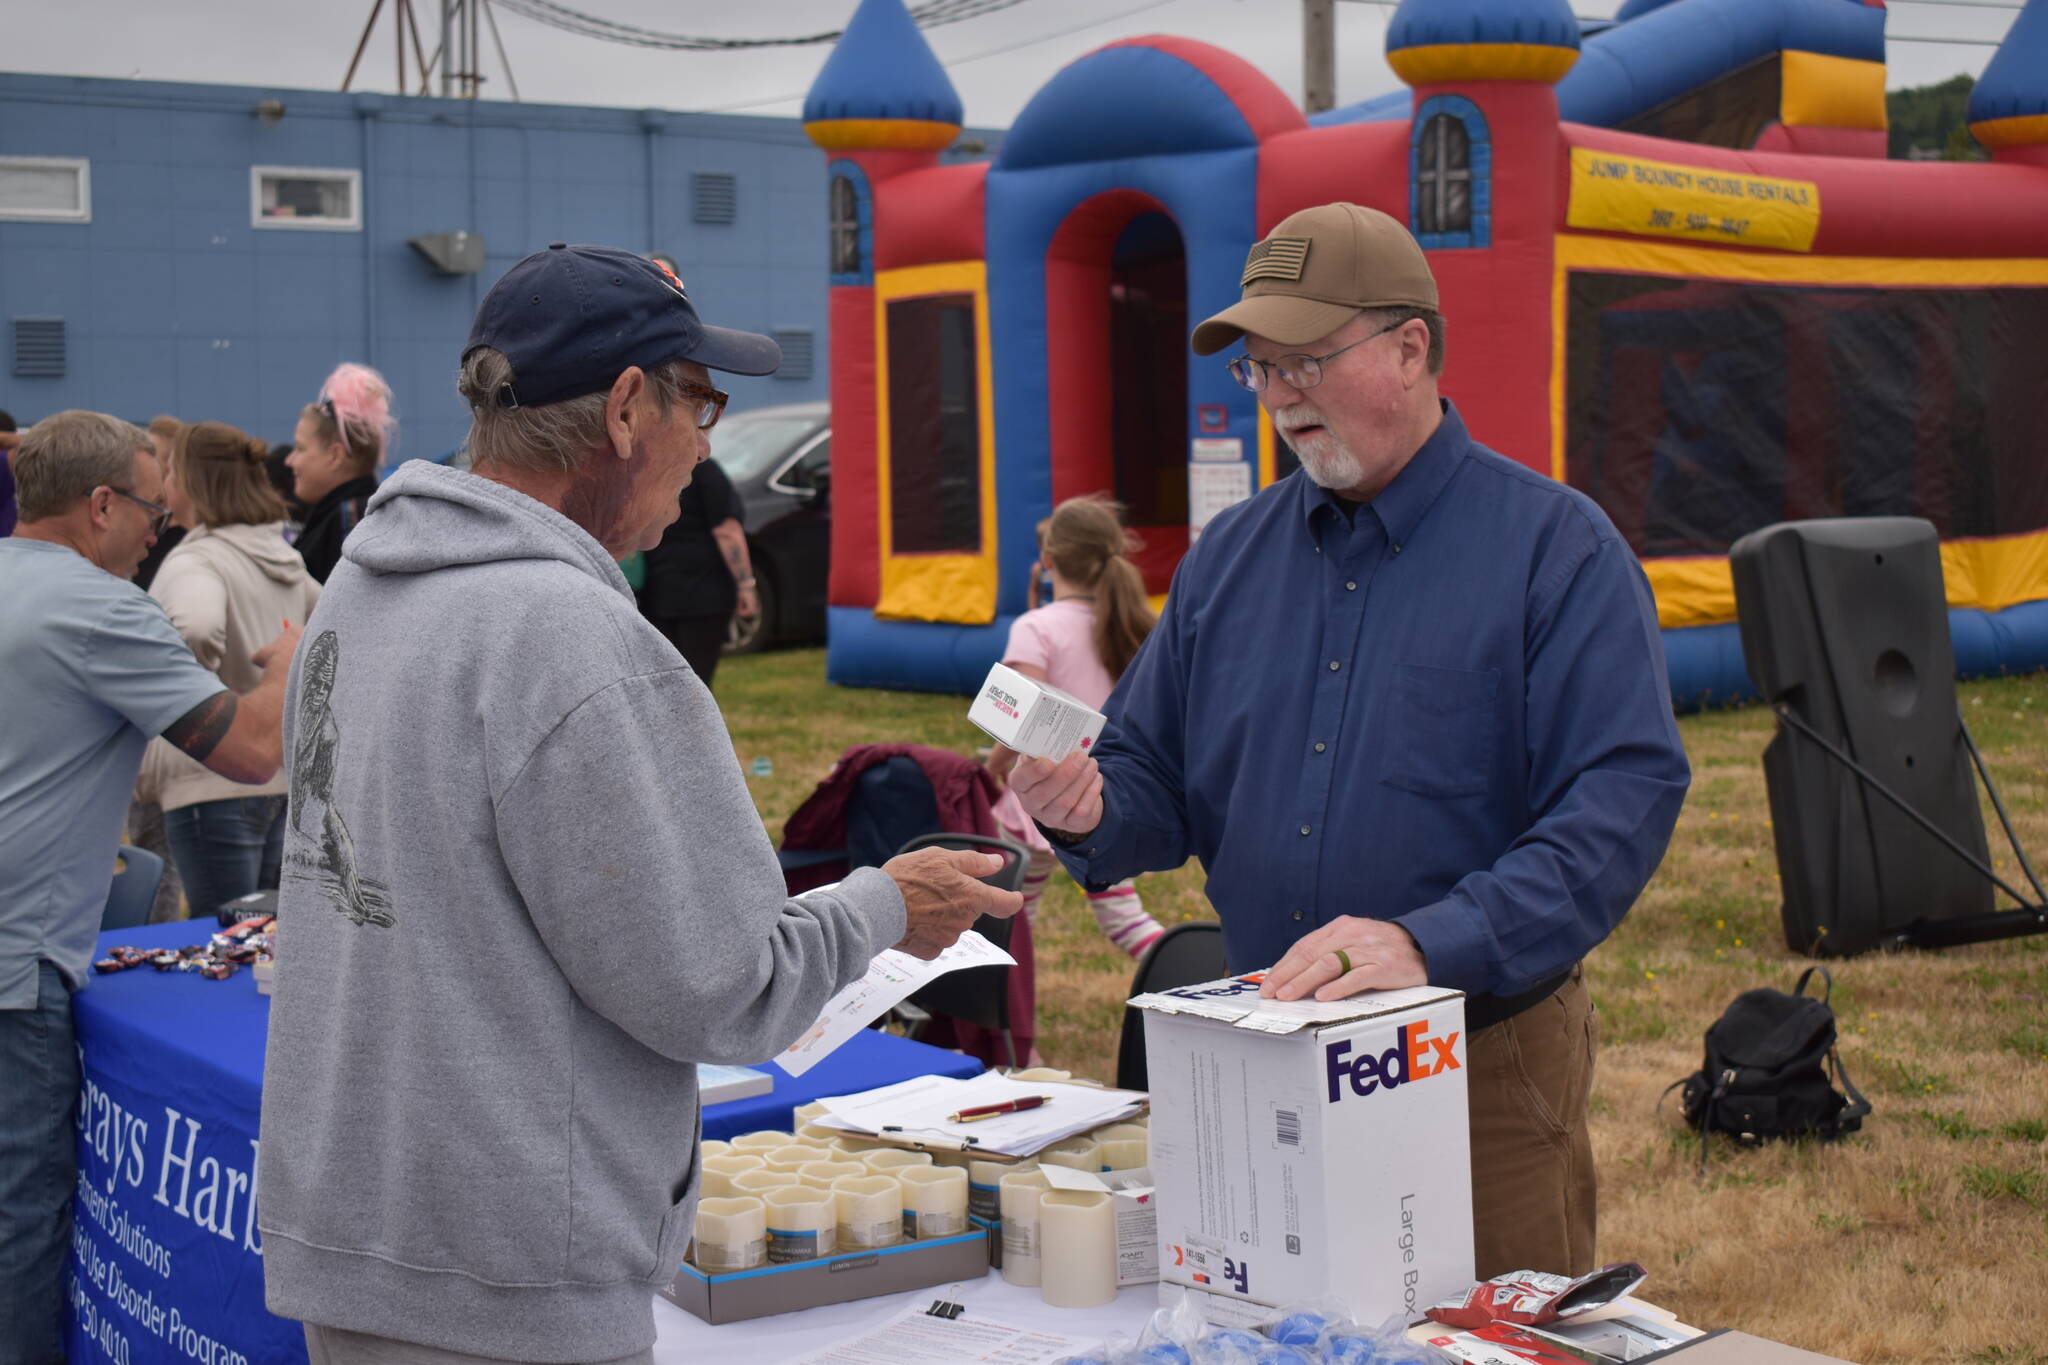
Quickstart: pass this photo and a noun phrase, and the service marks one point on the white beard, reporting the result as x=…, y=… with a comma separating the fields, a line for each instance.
x=1328, y=463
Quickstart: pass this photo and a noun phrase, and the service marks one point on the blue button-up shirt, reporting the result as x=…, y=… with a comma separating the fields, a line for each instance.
x=1448, y=710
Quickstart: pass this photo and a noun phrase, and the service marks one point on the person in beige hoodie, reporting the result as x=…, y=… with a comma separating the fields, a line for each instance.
x=228, y=588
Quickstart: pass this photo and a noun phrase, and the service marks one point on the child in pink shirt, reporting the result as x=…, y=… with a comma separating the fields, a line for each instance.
x=1080, y=642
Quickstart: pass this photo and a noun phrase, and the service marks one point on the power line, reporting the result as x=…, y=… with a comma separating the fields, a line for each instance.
x=556, y=15
x=957, y=61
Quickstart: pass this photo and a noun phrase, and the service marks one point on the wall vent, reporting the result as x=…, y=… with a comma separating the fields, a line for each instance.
x=39, y=348
x=797, y=349
x=713, y=196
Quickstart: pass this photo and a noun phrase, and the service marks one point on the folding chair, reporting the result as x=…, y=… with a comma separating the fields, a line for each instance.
x=1185, y=955
x=136, y=877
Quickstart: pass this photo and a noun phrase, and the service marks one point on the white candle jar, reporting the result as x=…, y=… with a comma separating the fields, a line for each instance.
x=762, y=1142
x=795, y=1154
x=890, y=1160
x=760, y=1182
x=934, y=1201
x=1123, y=1146
x=870, y=1209
x=1019, y=1198
x=1082, y=1154
x=824, y=1174
x=731, y=1234
x=1077, y=1248
x=720, y=1171
x=984, y=1187
x=802, y=1223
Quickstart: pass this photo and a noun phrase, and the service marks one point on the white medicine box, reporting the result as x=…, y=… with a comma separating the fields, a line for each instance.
x=1307, y=1151
x=1033, y=717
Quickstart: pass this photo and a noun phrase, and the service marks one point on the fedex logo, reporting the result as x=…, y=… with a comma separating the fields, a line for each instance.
x=1223, y=989
x=1416, y=1057
x=1236, y=1274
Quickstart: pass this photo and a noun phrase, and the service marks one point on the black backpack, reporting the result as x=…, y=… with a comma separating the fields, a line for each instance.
x=1771, y=1071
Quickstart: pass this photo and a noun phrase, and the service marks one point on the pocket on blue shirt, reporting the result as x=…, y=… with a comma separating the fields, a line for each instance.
x=1440, y=726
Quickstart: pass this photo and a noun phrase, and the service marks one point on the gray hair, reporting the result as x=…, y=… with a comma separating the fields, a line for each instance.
x=544, y=440
x=68, y=454
x=1391, y=317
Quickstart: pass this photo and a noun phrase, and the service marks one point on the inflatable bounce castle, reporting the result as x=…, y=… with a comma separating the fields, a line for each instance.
x=1676, y=268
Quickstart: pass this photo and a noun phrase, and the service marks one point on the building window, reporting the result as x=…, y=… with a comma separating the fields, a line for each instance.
x=1450, y=173
x=45, y=189
x=934, y=426
x=714, y=197
x=302, y=197
x=852, y=226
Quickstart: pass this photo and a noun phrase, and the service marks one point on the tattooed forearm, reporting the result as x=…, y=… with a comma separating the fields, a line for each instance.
x=199, y=731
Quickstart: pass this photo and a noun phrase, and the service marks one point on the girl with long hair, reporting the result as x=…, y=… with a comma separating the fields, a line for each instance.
x=341, y=439
x=227, y=587
x=1081, y=642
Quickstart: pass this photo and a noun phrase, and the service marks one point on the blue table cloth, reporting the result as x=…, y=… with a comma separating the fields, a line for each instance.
x=166, y=1260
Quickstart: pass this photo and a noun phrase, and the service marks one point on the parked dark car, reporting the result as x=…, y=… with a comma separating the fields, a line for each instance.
x=780, y=463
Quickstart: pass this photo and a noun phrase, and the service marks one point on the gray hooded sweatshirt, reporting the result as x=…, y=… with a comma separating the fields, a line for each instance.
x=525, y=891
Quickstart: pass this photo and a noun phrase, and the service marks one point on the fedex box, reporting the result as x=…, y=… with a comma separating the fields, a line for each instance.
x=1305, y=1151
x=1033, y=717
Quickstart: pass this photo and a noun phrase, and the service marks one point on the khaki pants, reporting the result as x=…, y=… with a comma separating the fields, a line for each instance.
x=1533, y=1188
x=331, y=1346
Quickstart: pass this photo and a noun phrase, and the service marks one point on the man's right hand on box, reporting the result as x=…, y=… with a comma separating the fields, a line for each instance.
x=1065, y=796
x=942, y=899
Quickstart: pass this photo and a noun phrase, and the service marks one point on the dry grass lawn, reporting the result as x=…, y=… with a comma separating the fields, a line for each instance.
x=1922, y=1239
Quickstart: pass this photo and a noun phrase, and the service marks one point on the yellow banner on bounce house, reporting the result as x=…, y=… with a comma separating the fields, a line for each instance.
x=1614, y=193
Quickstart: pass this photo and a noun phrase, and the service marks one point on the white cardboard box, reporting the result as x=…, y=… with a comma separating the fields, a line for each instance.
x=1033, y=717
x=1307, y=1151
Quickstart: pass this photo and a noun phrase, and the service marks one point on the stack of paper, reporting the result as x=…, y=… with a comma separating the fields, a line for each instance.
x=918, y=1111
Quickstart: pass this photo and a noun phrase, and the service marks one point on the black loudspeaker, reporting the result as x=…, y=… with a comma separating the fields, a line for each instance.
x=1845, y=627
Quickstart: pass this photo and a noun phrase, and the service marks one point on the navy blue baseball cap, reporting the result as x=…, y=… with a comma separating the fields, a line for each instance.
x=571, y=319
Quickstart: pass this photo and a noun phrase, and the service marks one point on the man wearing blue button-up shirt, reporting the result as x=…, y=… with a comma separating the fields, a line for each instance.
x=1408, y=707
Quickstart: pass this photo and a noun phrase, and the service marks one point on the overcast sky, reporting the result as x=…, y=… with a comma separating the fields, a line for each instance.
x=996, y=62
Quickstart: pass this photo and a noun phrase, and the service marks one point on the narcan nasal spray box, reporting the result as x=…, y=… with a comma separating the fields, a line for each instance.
x=1309, y=1151
x=1034, y=717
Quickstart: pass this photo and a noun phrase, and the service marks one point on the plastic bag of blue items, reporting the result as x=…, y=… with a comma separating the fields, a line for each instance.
x=1304, y=1335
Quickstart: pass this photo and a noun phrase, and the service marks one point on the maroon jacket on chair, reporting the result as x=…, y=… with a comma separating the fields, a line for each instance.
x=965, y=794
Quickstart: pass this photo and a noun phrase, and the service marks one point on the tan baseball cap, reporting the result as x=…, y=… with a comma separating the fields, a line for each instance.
x=1317, y=268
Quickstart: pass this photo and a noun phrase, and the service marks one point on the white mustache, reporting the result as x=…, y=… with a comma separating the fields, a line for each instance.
x=1296, y=418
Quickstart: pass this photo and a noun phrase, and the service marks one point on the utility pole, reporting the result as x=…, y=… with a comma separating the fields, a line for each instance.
x=1318, y=55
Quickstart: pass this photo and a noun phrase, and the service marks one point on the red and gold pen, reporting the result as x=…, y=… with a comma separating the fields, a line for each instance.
x=989, y=1111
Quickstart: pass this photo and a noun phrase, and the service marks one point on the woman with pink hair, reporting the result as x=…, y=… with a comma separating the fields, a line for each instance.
x=339, y=442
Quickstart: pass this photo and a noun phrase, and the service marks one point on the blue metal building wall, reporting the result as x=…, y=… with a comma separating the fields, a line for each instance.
x=174, y=303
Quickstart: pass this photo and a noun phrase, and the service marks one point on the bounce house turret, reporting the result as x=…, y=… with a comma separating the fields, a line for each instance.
x=1438, y=42
x=1484, y=144
x=2008, y=110
x=882, y=89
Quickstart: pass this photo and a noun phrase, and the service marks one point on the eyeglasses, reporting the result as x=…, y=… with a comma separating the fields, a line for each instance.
x=710, y=402
x=159, y=517
x=1300, y=371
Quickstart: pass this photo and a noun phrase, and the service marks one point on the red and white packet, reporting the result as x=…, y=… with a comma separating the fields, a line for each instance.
x=1530, y=1298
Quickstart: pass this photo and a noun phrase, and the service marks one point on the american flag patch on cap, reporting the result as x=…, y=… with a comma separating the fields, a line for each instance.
x=1276, y=258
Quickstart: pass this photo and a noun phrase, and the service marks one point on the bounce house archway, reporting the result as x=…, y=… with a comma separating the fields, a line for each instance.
x=1116, y=367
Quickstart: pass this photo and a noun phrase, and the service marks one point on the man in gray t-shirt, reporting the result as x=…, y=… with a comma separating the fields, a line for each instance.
x=91, y=668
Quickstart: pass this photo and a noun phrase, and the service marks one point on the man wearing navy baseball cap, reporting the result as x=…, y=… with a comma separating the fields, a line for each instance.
x=527, y=887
